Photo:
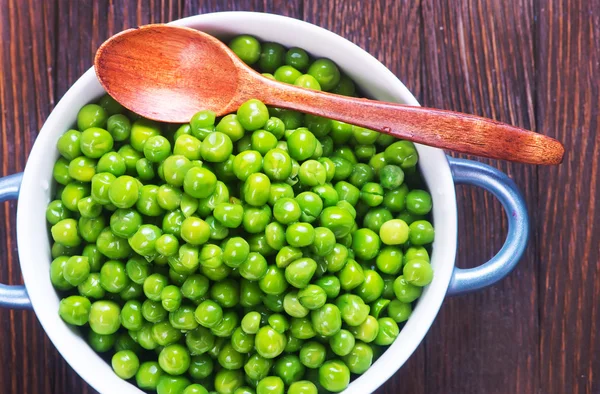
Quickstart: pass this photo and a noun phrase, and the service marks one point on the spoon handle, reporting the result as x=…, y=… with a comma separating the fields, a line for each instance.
x=442, y=129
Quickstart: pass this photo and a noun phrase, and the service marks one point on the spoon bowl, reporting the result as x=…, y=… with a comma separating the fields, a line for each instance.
x=169, y=73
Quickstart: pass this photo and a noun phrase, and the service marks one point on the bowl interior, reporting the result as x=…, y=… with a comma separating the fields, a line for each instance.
x=374, y=80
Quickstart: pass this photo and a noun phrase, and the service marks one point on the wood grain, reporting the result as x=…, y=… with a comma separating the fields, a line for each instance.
x=568, y=107
x=531, y=63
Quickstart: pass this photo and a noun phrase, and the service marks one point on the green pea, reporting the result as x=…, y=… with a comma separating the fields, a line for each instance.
x=366, y=331
x=257, y=367
x=405, y=291
x=417, y=272
x=421, y=232
x=325, y=72
x=388, y=331
x=216, y=147
x=330, y=284
x=158, y=148
x=297, y=58
x=113, y=276
x=69, y=144
x=91, y=115
x=143, y=242
x=57, y=211
x=326, y=320
x=307, y=81
x=300, y=234
x=82, y=169
x=125, y=364
x=202, y=119
x=246, y=48
x=65, y=232
x=168, y=384
x=277, y=164
x=72, y=193
x=365, y=243
x=209, y=314
x=247, y=163
x=399, y=311
x=199, y=341
x=104, y=317
x=337, y=258
x=91, y=287
x=195, y=231
x=186, y=145
x=287, y=74
x=75, y=310
x=175, y=168
x=60, y=172
x=101, y=343
x=201, y=366
x=195, y=389
x=312, y=173
x=95, y=142
x=256, y=219
x=351, y=275
x=300, y=272
x=312, y=297
x=289, y=369
x=123, y=192
x=312, y=354
x=148, y=375
x=229, y=358
x=371, y=194
x=76, y=270
x=417, y=201
x=119, y=127
x=301, y=144
x=269, y=343
x=256, y=189
x=338, y=220
x=302, y=387
x=360, y=358
x=402, y=153
x=273, y=303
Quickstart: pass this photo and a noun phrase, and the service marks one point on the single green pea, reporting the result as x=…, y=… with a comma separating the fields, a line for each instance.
x=416, y=253
x=195, y=231
x=330, y=284
x=312, y=173
x=338, y=220
x=389, y=260
x=257, y=367
x=199, y=182
x=376, y=217
x=141, y=131
x=195, y=389
x=57, y=211
x=82, y=169
x=147, y=203
x=143, y=242
x=301, y=144
x=247, y=163
x=274, y=236
x=201, y=366
x=312, y=354
x=125, y=222
x=275, y=126
x=123, y=192
x=271, y=57
x=157, y=148
x=241, y=341
x=95, y=142
x=174, y=359
x=75, y=310
x=300, y=234
x=119, y=127
x=287, y=74
x=91, y=115
x=297, y=58
x=229, y=358
x=353, y=309
x=125, y=364
x=307, y=81
x=246, y=48
x=372, y=287
x=229, y=125
x=417, y=201
x=65, y=232
x=202, y=119
x=365, y=243
x=69, y=144
x=300, y=272
x=371, y=194
x=286, y=210
x=216, y=147
x=186, y=145
x=312, y=297
x=168, y=384
x=76, y=270
x=277, y=164
x=199, y=341
x=405, y=291
x=148, y=375
x=302, y=387
x=60, y=171
x=286, y=255
x=113, y=276
x=100, y=188
x=112, y=246
x=399, y=311
x=101, y=343
x=273, y=303
x=72, y=193
x=208, y=314
x=367, y=331
x=402, y=153
x=326, y=320
x=235, y=252
x=421, y=232
x=256, y=189
x=336, y=260
x=325, y=72
x=91, y=287
x=269, y=343
x=175, y=167
x=216, y=274
x=110, y=105
x=131, y=315
x=388, y=331
x=351, y=276
x=302, y=328
x=361, y=174
x=165, y=334
x=256, y=219
x=311, y=206
x=104, y=317
x=289, y=369
x=154, y=285
x=417, y=272
x=253, y=115
x=360, y=358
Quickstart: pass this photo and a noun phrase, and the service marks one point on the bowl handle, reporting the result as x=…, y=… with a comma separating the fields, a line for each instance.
x=470, y=172
x=14, y=297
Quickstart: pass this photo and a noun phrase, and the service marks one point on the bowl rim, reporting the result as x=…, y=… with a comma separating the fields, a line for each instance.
x=389, y=88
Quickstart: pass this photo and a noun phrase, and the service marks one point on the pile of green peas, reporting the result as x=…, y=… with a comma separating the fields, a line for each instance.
x=267, y=251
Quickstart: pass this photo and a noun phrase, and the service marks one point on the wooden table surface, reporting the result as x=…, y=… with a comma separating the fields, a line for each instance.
x=532, y=63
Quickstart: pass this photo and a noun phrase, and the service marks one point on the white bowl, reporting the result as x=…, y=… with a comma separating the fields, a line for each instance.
x=374, y=79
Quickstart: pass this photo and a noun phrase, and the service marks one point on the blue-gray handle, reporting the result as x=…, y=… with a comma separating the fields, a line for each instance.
x=14, y=297
x=470, y=172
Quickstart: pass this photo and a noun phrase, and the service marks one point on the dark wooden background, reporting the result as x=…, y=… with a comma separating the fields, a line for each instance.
x=533, y=63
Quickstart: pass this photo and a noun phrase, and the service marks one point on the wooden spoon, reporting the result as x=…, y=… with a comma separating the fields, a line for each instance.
x=168, y=73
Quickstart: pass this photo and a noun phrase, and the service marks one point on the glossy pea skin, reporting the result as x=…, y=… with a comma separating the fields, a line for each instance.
x=418, y=272
x=216, y=147
x=228, y=125
x=91, y=115
x=95, y=142
x=247, y=163
x=351, y=275
x=388, y=331
x=253, y=115
x=256, y=189
x=394, y=232
x=101, y=343
x=277, y=164
x=199, y=182
x=312, y=354
x=131, y=315
x=119, y=127
x=338, y=220
x=247, y=48
x=82, y=169
x=402, y=153
x=311, y=206
x=418, y=202
x=360, y=358
x=148, y=375
x=125, y=363
x=287, y=74
x=104, y=317
x=365, y=243
x=257, y=367
x=326, y=320
x=75, y=310
x=337, y=259
x=421, y=232
x=307, y=81
x=302, y=387
x=376, y=217
x=405, y=291
x=168, y=384
x=269, y=343
x=342, y=342
x=399, y=311
x=312, y=297
x=91, y=287
x=297, y=58
x=301, y=144
x=325, y=72
x=289, y=369
x=69, y=144
x=300, y=234
x=389, y=260
x=256, y=219
x=195, y=389
x=185, y=145
x=353, y=309
x=65, y=232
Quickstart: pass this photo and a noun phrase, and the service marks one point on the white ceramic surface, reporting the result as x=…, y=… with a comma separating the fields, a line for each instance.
x=374, y=79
